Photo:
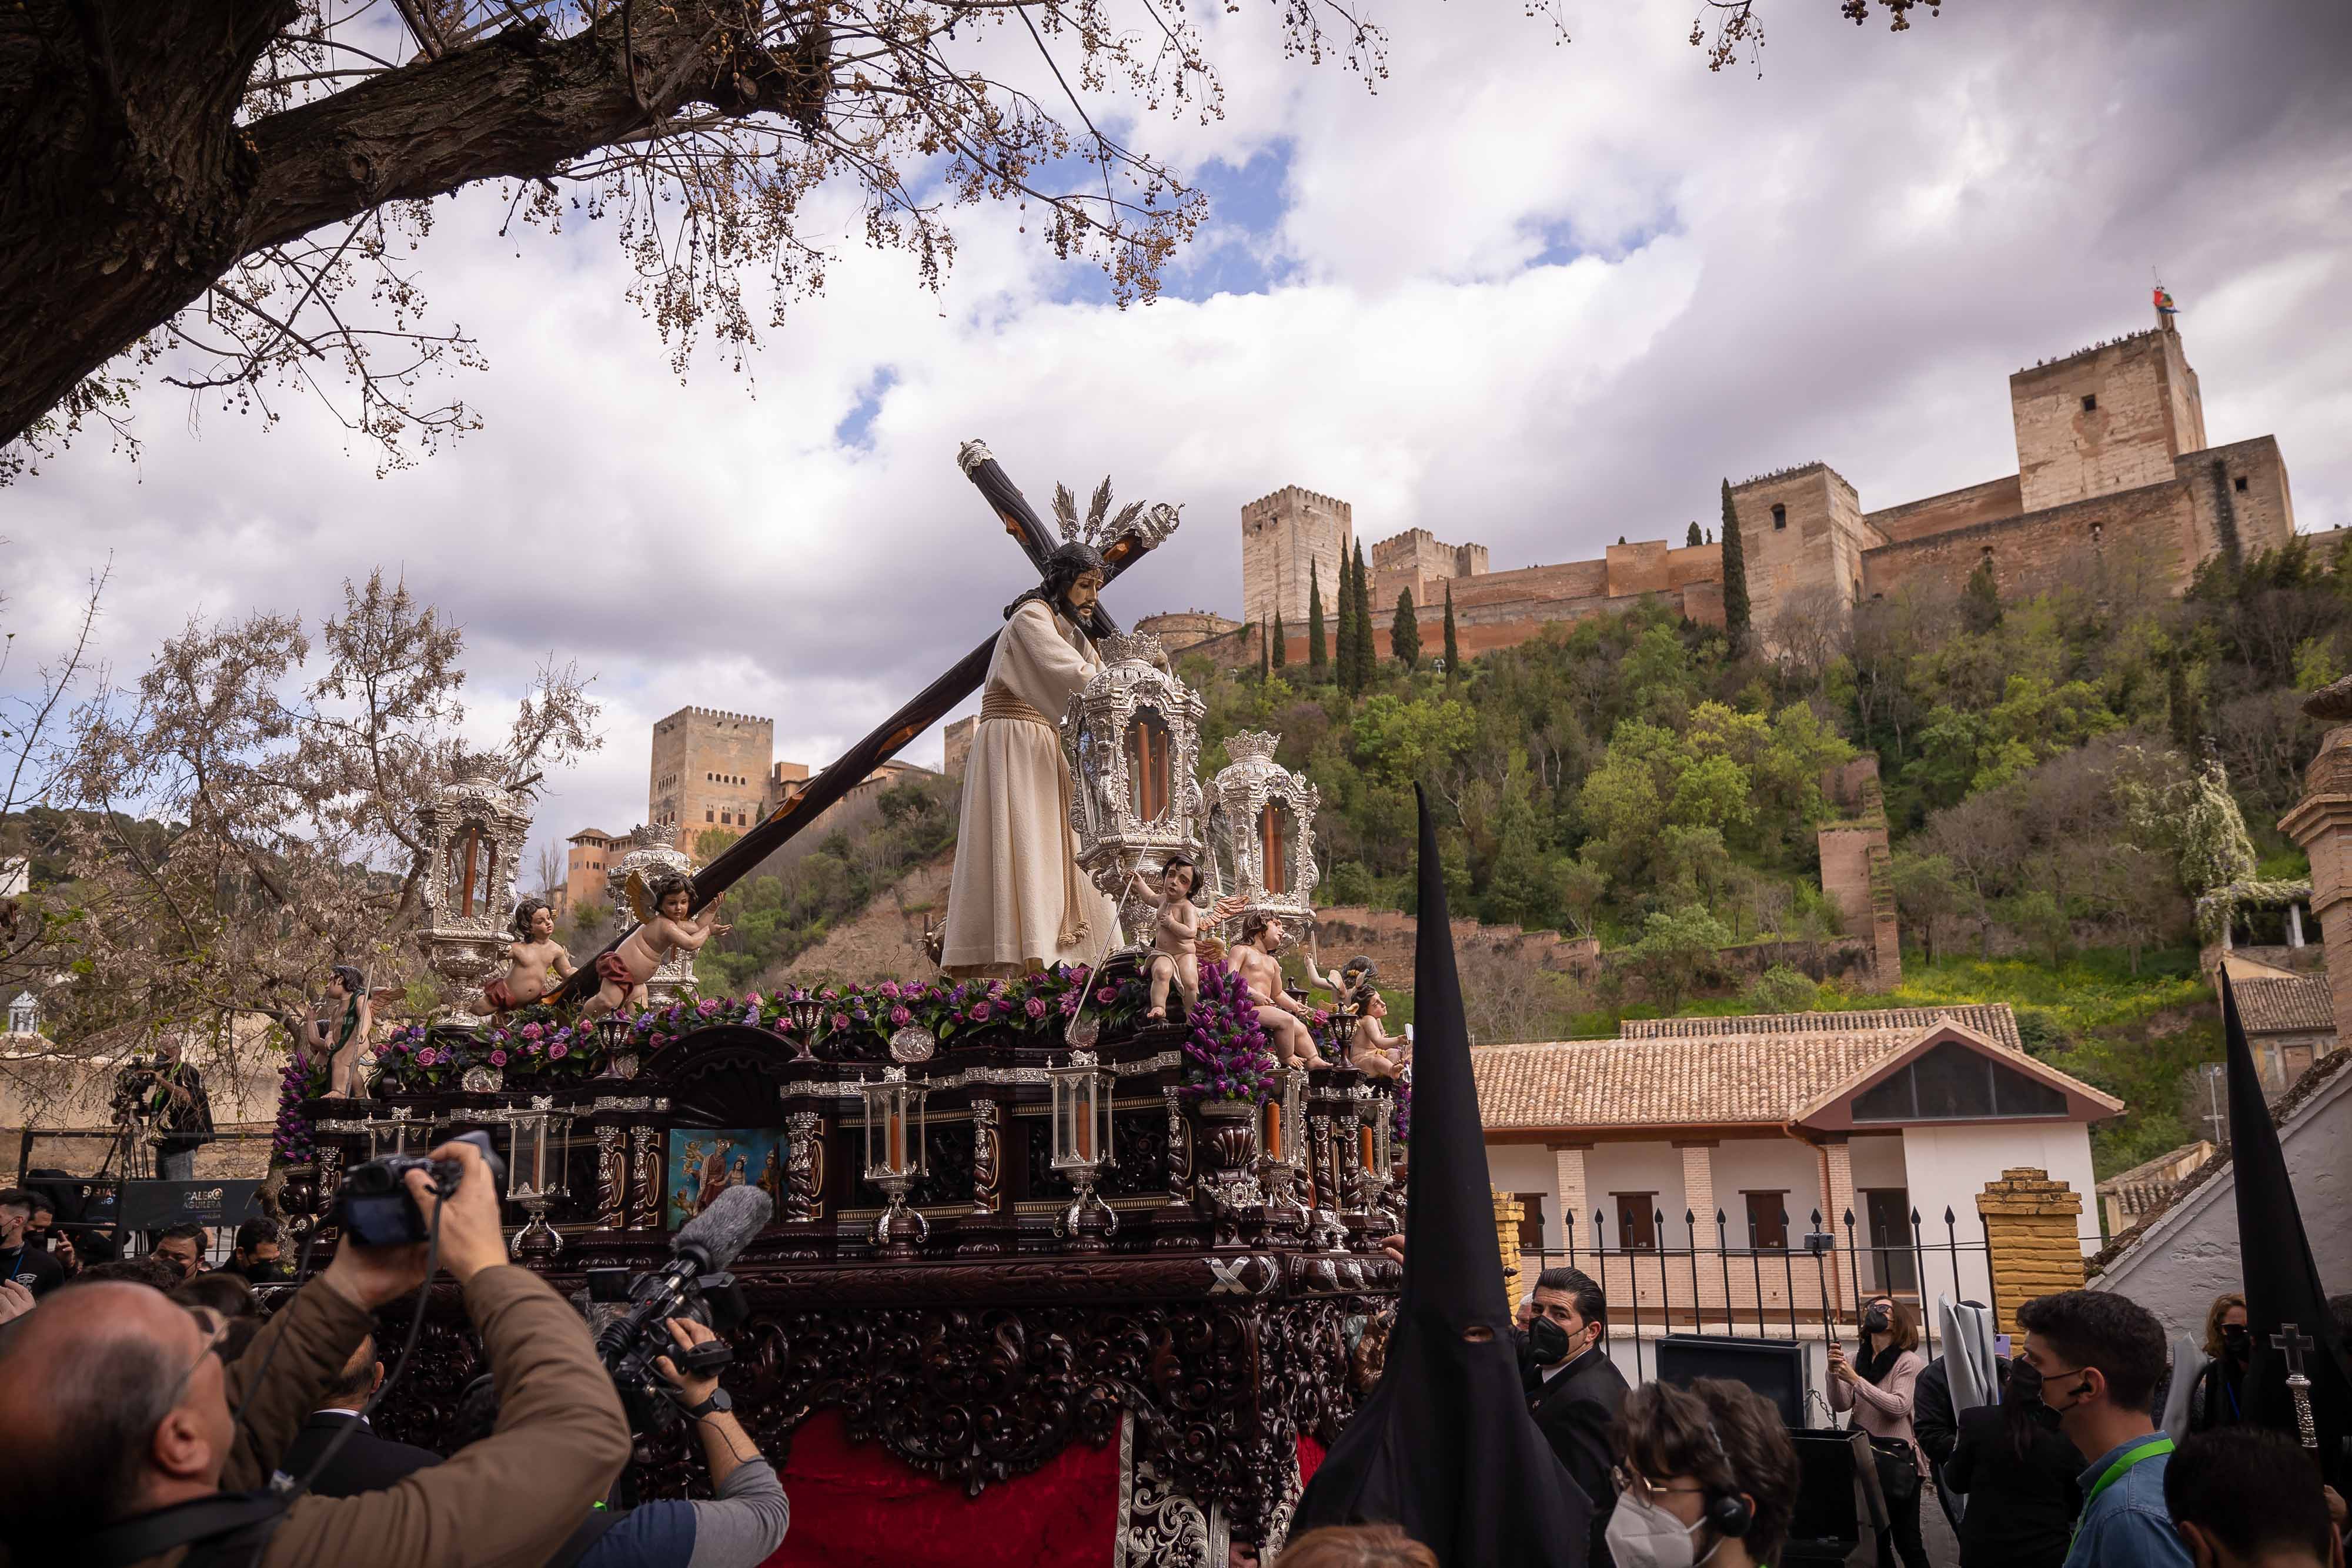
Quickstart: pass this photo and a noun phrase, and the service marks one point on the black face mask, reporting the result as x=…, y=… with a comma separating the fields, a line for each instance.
x=1876, y=1320
x=2237, y=1343
x=1546, y=1342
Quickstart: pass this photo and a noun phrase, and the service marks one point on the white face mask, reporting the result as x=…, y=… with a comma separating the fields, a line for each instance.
x=1645, y=1535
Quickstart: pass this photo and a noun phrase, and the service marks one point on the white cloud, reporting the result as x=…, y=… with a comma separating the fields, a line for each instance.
x=1844, y=260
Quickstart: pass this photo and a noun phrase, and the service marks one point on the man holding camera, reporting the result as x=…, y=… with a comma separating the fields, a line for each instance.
x=21, y=1261
x=117, y=1415
x=181, y=1112
x=740, y=1527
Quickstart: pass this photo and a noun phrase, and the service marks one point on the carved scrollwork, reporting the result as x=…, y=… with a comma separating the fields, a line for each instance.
x=612, y=1179
x=645, y=1211
x=804, y=1166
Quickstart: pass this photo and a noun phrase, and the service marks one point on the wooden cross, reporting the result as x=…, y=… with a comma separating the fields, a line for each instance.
x=2293, y=1343
x=925, y=709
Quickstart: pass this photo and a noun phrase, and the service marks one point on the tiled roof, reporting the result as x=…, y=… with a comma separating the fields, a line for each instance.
x=1670, y=1072
x=2299, y=1006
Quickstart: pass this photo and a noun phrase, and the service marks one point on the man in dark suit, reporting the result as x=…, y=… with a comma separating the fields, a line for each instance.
x=1574, y=1391
x=365, y=1462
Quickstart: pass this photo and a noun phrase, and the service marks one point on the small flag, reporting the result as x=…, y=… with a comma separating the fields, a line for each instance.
x=2164, y=305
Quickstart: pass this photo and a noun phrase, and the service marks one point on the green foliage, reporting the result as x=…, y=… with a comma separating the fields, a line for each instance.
x=1453, y=670
x=1735, y=578
x=1780, y=990
x=711, y=843
x=1678, y=948
x=1367, y=657
x=1317, y=656
x=1344, y=656
x=1980, y=600
x=1691, y=539
x=1280, y=655
x=782, y=910
x=1404, y=633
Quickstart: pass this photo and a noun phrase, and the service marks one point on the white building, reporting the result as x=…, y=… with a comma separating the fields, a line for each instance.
x=1873, y=1114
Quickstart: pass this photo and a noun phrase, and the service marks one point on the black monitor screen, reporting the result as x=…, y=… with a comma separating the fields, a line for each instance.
x=1773, y=1367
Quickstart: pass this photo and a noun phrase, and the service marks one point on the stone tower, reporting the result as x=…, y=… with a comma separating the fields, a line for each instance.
x=710, y=771
x=2108, y=418
x=1283, y=536
x=1802, y=532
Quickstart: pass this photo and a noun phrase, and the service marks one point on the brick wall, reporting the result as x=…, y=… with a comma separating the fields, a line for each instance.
x=1181, y=629
x=1638, y=567
x=2030, y=1225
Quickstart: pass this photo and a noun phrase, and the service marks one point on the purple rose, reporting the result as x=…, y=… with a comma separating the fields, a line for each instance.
x=497, y=1059
x=980, y=1011
x=995, y=988
x=900, y=1017
x=1034, y=1006
x=1106, y=995
x=558, y=1052
x=889, y=988
x=1080, y=971
x=840, y=1022
x=828, y=994
x=425, y=1058
x=533, y=1031
x=707, y=1007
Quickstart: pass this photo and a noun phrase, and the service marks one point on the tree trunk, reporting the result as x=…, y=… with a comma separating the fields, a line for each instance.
x=126, y=187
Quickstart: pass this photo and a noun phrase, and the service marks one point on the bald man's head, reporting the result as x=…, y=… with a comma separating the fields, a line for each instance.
x=110, y=1405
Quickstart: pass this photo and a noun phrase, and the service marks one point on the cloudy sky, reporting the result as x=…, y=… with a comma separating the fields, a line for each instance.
x=1530, y=294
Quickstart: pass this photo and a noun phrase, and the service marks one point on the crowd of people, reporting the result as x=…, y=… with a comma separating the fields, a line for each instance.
x=150, y=1414
x=146, y=1405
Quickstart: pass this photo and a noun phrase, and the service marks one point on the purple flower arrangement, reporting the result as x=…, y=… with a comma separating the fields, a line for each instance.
x=290, y=1141
x=537, y=1047
x=1226, y=1056
x=1404, y=1133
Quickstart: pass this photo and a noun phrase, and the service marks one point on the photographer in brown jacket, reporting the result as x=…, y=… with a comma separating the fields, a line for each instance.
x=119, y=1440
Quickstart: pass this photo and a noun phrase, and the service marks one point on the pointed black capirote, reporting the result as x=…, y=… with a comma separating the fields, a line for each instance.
x=1445, y=1446
x=2282, y=1282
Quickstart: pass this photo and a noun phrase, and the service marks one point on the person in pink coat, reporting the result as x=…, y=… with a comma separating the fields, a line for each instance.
x=1876, y=1384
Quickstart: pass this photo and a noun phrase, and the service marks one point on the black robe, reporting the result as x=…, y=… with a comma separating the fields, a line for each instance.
x=1446, y=1446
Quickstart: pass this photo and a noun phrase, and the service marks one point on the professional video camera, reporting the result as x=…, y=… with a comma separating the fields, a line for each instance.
x=630, y=1313
x=134, y=1082
x=374, y=1206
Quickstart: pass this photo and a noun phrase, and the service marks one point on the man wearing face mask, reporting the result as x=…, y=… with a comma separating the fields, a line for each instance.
x=1709, y=1478
x=1574, y=1391
x=2089, y=1366
x=2219, y=1398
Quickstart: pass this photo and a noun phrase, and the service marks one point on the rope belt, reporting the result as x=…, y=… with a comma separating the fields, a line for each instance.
x=998, y=703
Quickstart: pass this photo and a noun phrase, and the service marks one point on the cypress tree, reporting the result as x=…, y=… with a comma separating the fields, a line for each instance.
x=1453, y=648
x=1692, y=538
x=1368, y=654
x=1281, y=655
x=1317, y=655
x=1345, y=655
x=1404, y=633
x=1734, y=577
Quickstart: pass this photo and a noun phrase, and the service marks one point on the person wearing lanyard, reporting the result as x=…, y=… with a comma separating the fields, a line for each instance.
x=22, y=1262
x=2089, y=1368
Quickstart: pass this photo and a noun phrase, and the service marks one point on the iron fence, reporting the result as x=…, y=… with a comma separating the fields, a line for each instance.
x=1809, y=1288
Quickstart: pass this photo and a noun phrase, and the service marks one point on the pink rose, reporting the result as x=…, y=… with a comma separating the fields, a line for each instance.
x=1108, y=995
x=1035, y=1007
x=980, y=1011
x=900, y=1017
x=840, y=1022
x=890, y=988
x=425, y=1058
x=497, y=1059
x=559, y=1050
x=995, y=988
x=828, y=994
x=532, y=1032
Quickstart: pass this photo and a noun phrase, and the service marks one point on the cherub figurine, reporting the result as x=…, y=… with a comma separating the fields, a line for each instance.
x=1283, y=1015
x=536, y=962
x=1372, y=1049
x=662, y=904
x=1175, y=943
x=341, y=1037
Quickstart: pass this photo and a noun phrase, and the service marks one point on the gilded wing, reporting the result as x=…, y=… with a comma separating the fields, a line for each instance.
x=640, y=900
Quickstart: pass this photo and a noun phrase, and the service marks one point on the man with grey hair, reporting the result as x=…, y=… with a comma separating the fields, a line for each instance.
x=116, y=1414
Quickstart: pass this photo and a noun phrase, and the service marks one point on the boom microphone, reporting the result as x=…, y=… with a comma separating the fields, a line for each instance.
x=717, y=1236
x=692, y=1284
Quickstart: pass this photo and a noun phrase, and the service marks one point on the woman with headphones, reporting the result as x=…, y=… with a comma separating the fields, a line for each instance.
x=1708, y=1477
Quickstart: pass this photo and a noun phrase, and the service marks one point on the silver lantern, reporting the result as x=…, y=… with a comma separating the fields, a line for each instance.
x=1261, y=832
x=1282, y=1142
x=894, y=1155
x=535, y=1171
x=1082, y=1144
x=1132, y=737
x=472, y=831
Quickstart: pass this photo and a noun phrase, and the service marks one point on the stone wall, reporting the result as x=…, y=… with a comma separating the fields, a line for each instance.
x=2243, y=487
x=2139, y=537
x=957, y=742
x=1803, y=535
x=1984, y=503
x=1286, y=537
x=1181, y=629
x=708, y=769
x=2108, y=418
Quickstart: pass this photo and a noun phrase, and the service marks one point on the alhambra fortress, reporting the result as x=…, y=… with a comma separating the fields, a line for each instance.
x=2114, y=475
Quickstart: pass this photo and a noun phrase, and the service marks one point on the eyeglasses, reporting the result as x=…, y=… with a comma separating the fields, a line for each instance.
x=212, y=1338
x=1634, y=1484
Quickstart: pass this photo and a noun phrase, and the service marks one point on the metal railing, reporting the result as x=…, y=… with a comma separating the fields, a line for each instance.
x=1810, y=1288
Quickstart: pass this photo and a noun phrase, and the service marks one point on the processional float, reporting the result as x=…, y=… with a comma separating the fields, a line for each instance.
x=1023, y=1264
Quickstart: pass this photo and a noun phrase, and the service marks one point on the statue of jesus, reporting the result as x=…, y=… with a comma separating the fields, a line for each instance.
x=1018, y=901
